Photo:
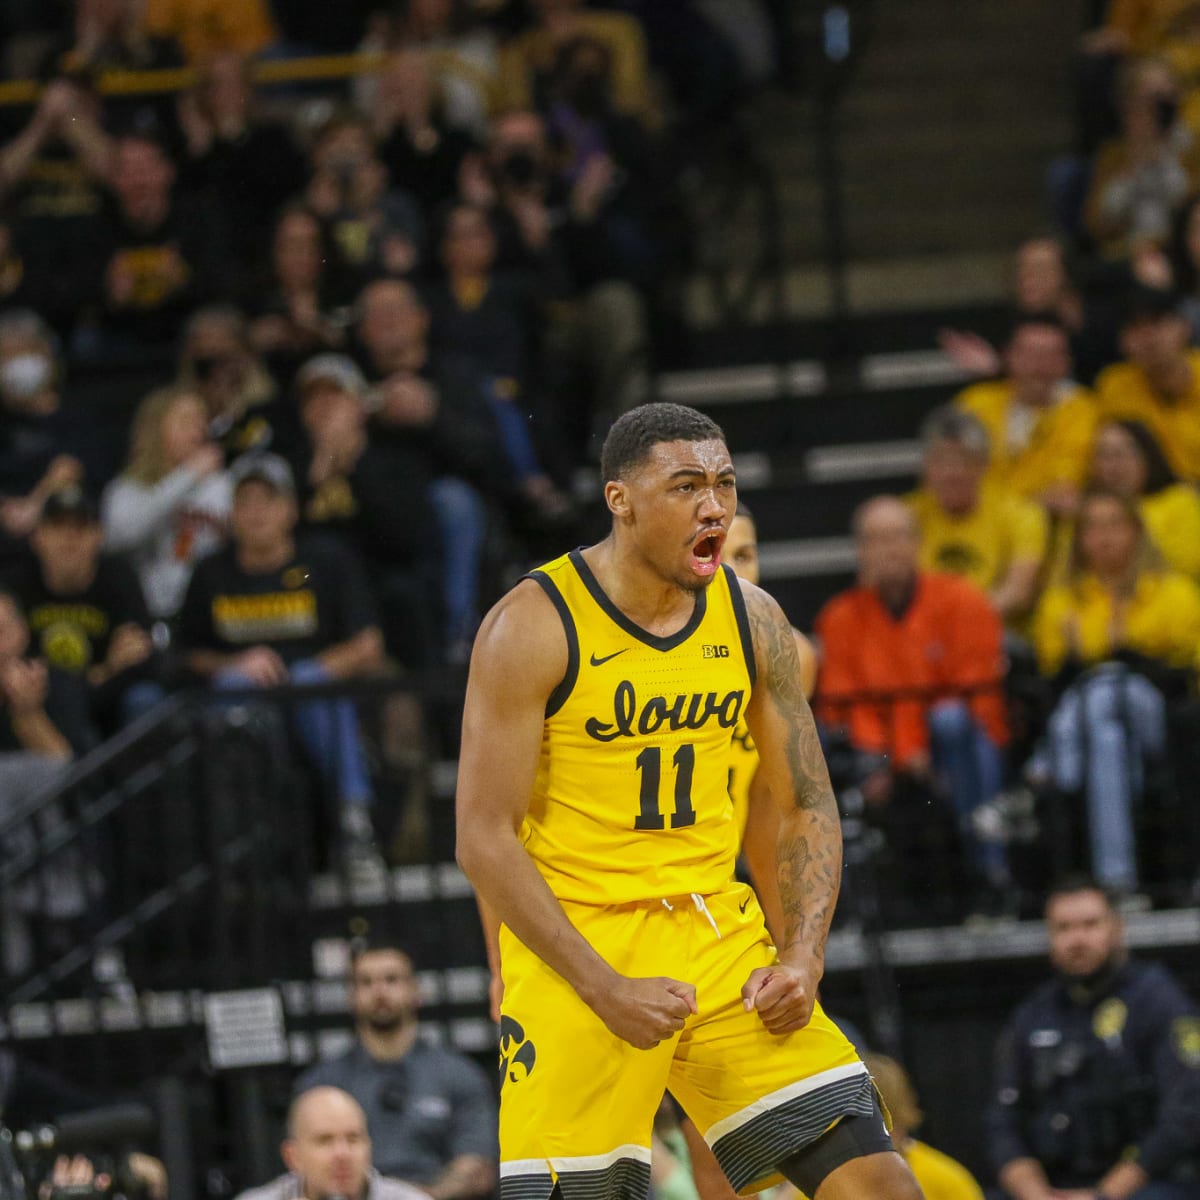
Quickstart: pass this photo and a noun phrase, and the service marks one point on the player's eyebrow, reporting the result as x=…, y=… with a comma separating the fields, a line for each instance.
x=699, y=473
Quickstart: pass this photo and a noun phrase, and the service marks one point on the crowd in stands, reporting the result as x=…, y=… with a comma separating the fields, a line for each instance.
x=1062, y=488
x=293, y=376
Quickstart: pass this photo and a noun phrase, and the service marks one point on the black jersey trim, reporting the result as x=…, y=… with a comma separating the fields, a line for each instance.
x=558, y=697
x=630, y=627
x=742, y=617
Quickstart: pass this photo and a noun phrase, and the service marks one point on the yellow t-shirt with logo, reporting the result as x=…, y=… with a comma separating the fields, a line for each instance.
x=981, y=545
x=1055, y=447
x=631, y=799
x=1124, y=393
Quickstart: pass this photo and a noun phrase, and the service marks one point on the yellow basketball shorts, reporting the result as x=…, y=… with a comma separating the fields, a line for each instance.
x=577, y=1103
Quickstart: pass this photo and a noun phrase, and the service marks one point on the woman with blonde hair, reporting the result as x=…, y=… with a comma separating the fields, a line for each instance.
x=170, y=506
x=1117, y=630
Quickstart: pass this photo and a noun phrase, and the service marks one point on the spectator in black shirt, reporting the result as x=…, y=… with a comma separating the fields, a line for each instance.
x=435, y=412
x=244, y=164
x=154, y=256
x=53, y=176
x=489, y=319
x=41, y=447
x=269, y=611
x=87, y=613
x=301, y=312
x=422, y=153
x=349, y=488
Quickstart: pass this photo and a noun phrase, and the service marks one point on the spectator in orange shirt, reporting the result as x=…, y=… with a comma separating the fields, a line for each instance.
x=936, y=639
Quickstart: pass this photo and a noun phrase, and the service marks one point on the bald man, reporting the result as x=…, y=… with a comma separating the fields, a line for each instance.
x=935, y=640
x=328, y=1154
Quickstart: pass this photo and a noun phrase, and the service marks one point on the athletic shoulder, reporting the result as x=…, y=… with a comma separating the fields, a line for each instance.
x=522, y=641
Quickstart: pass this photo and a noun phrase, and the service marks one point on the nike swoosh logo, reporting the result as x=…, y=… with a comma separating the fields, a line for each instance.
x=744, y=903
x=598, y=662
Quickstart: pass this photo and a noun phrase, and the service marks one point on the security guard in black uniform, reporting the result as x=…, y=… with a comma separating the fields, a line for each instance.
x=1097, y=1090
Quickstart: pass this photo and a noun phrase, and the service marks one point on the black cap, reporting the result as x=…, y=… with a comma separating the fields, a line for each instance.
x=70, y=503
x=266, y=468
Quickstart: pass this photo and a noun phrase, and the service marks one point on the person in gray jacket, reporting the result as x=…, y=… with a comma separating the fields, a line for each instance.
x=328, y=1154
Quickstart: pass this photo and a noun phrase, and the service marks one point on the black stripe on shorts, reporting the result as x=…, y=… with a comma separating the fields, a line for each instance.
x=625, y=1179
x=754, y=1150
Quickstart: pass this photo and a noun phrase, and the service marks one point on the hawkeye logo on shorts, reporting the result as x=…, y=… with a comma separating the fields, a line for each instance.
x=683, y=712
x=517, y=1055
x=714, y=651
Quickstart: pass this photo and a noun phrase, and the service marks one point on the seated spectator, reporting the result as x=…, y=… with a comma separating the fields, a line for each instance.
x=1117, y=626
x=431, y=1112
x=207, y=28
x=377, y=228
x=1097, y=1082
x=527, y=61
x=1159, y=384
x=991, y=537
x=170, y=506
x=902, y=630
x=242, y=162
x=328, y=1153
x=490, y=320
x=301, y=313
x=422, y=149
x=151, y=257
x=1184, y=257
x=939, y=1176
x=219, y=363
x=348, y=488
x=1141, y=178
x=86, y=611
x=1127, y=459
x=434, y=411
x=267, y=611
x=1038, y=422
x=40, y=444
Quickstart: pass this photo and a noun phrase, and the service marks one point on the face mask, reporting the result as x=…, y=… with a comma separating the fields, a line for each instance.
x=25, y=375
x=520, y=167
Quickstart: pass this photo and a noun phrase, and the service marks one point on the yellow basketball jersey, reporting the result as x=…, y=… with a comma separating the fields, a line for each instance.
x=631, y=799
x=743, y=762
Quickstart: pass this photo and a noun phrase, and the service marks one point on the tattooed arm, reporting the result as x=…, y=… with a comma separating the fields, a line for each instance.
x=809, y=850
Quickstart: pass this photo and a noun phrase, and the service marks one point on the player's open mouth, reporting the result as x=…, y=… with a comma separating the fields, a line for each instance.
x=706, y=552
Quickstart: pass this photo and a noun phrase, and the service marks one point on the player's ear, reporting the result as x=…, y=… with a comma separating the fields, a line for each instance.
x=616, y=496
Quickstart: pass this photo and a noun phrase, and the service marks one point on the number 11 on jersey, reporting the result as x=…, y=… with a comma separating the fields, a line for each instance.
x=649, y=763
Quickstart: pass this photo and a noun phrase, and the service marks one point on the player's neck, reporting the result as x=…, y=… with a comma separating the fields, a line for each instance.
x=658, y=606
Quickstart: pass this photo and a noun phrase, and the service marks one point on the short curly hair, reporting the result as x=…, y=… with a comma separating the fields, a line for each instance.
x=637, y=432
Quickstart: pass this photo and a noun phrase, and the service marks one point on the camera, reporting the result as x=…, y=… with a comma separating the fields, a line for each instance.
x=105, y=1136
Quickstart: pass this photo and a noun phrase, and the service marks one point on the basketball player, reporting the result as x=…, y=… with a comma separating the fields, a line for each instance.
x=594, y=821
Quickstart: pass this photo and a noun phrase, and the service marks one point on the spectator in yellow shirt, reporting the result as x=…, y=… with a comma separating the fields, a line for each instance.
x=1038, y=421
x=940, y=1176
x=1159, y=385
x=1127, y=459
x=972, y=528
x=1119, y=624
